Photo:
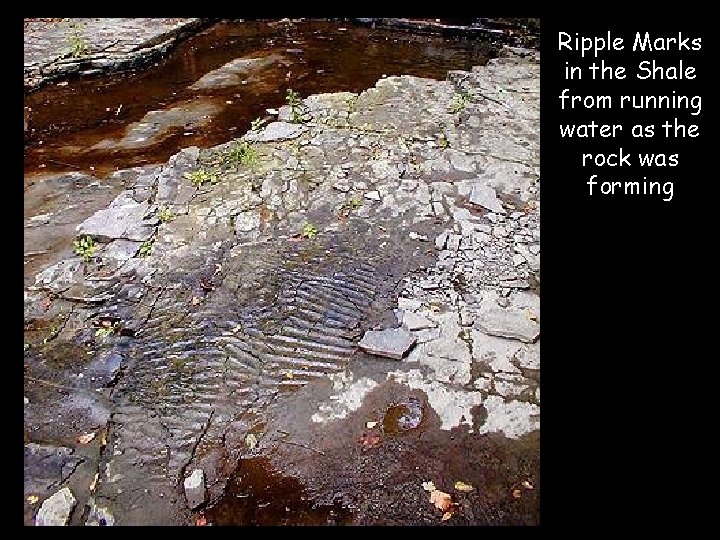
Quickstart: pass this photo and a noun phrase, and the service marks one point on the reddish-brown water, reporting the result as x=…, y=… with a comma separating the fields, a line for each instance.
x=317, y=56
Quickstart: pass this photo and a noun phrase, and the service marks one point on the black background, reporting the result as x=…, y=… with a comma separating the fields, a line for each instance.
x=626, y=281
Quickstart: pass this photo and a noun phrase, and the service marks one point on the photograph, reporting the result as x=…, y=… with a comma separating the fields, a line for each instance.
x=281, y=271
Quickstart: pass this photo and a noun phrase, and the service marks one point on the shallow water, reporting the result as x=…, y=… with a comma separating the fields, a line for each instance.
x=65, y=120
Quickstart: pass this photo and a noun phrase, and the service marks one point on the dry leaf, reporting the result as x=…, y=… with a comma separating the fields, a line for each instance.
x=84, y=439
x=201, y=521
x=103, y=439
x=371, y=425
x=289, y=375
x=32, y=499
x=441, y=500
x=446, y=516
x=462, y=486
x=429, y=486
x=527, y=485
x=516, y=493
x=195, y=301
x=369, y=440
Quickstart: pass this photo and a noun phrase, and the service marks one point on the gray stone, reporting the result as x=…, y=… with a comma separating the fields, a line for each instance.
x=232, y=73
x=159, y=124
x=413, y=321
x=453, y=243
x=56, y=509
x=121, y=250
x=122, y=219
x=276, y=131
x=508, y=323
x=392, y=343
x=440, y=240
x=247, y=221
x=60, y=276
x=195, y=489
x=47, y=465
x=486, y=197
x=99, y=516
x=415, y=236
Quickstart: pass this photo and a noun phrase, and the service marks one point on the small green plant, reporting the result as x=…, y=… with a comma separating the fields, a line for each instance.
x=240, y=153
x=165, y=215
x=104, y=331
x=298, y=108
x=202, y=176
x=146, y=247
x=78, y=45
x=443, y=141
x=54, y=329
x=257, y=124
x=85, y=248
x=309, y=231
x=350, y=205
x=458, y=103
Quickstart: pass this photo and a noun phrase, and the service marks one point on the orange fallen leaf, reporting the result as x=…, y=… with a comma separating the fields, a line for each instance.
x=201, y=521
x=441, y=500
x=369, y=440
x=446, y=516
x=516, y=493
x=462, y=486
x=84, y=439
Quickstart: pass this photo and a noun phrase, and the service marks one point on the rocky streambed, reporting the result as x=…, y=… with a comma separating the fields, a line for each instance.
x=201, y=362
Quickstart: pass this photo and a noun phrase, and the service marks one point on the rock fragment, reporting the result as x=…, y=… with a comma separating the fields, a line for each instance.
x=391, y=343
x=56, y=509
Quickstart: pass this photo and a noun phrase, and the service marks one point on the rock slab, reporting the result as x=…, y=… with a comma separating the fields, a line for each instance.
x=393, y=343
x=508, y=323
x=56, y=509
x=195, y=489
x=276, y=131
x=486, y=197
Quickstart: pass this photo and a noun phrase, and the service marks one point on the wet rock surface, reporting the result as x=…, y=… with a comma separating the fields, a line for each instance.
x=58, y=48
x=260, y=265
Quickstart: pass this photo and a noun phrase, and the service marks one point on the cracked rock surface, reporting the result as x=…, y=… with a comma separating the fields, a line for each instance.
x=231, y=287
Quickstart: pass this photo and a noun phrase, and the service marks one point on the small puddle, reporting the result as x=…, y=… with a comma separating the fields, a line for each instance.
x=258, y=495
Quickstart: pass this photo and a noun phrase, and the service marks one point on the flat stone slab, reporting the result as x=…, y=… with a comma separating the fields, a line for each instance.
x=486, y=197
x=56, y=509
x=122, y=219
x=156, y=125
x=414, y=321
x=111, y=44
x=393, y=343
x=195, y=488
x=508, y=323
x=276, y=131
x=46, y=466
x=232, y=73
